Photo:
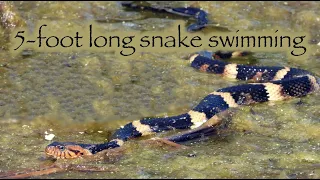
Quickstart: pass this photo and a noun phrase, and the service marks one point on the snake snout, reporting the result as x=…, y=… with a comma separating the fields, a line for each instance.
x=56, y=150
x=50, y=150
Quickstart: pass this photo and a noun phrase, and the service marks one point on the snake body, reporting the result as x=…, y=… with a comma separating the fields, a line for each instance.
x=198, y=14
x=269, y=84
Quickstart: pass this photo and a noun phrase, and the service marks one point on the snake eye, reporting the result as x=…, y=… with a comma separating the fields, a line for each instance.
x=61, y=148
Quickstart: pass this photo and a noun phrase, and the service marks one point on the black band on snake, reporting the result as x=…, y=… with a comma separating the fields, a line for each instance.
x=270, y=84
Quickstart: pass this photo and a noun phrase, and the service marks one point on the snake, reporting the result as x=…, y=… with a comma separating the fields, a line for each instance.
x=266, y=83
x=199, y=15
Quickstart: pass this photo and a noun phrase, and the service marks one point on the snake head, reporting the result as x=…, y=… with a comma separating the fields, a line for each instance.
x=67, y=150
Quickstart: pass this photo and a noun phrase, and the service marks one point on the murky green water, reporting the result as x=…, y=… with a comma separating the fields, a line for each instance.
x=85, y=96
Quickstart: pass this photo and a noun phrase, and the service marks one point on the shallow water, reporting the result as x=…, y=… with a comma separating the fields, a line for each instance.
x=85, y=96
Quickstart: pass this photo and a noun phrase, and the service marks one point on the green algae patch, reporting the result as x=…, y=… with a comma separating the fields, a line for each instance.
x=301, y=132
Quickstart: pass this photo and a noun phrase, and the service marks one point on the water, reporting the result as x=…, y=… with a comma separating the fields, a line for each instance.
x=85, y=97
